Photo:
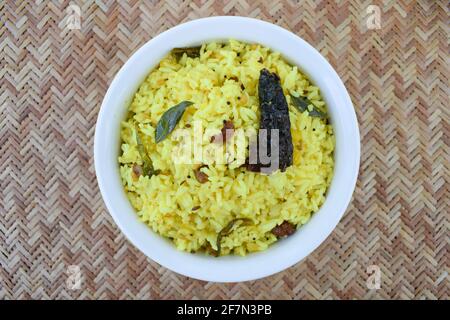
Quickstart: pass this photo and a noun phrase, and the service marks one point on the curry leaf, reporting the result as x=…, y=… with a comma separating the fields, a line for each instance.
x=169, y=120
x=317, y=113
x=147, y=165
x=302, y=103
x=227, y=230
x=191, y=52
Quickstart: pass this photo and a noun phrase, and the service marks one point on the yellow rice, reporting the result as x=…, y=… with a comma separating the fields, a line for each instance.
x=213, y=82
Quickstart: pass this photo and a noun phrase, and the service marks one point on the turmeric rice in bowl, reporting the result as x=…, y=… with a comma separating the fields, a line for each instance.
x=209, y=96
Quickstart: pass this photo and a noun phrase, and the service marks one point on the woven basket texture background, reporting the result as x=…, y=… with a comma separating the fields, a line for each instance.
x=52, y=216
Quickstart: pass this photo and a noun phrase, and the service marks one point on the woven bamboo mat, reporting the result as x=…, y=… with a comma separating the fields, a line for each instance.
x=53, y=220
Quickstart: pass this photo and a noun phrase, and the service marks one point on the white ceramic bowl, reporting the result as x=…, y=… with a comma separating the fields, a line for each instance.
x=282, y=254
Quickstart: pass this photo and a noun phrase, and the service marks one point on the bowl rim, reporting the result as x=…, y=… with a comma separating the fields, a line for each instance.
x=231, y=269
